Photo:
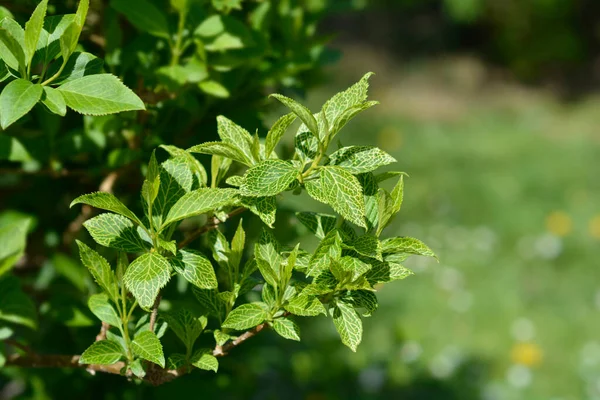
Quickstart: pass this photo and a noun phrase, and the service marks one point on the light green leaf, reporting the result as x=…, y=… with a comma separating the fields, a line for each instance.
x=49, y=43
x=193, y=164
x=100, y=270
x=12, y=149
x=204, y=359
x=237, y=246
x=302, y=112
x=138, y=368
x=198, y=202
x=362, y=299
x=354, y=95
x=343, y=192
x=101, y=308
x=232, y=133
x=348, y=324
x=100, y=94
x=329, y=248
x=222, y=149
x=68, y=40
x=276, y=132
x=382, y=272
x=227, y=5
x=385, y=207
x=264, y=207
x=246, y=316
x=144, y=15
x=268, y=178
x=406, y=245
x=81, y=13
x=354, y=265
x=384, y=176
x=287, y=328
x=116, y=231
x=106, y=201
x=103, y=352
x=195, y=268
x=12, y=43
x=17, y=99
x=54, y=101
x=267, y=272
x=33, y=28
x=78, y=65
x=16, y=306
x=348, y=114
x=170, y=246
x=214, y=88
x=151, y=184
x=176, y=179
x=145, y=276
x=360, y=159
x=13, y=236
x=268, y=248
x=147, y=346
x=305, y=306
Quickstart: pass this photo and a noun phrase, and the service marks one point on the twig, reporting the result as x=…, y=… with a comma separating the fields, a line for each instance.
x=102, y=334
x=221, y=351
x=154, y=313
x=18, y=345
x=213, y=224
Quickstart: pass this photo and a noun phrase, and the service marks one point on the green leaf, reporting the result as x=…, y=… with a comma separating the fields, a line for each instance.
x=209, y=301
x=106, y=201
x=12, y=43
x=264, y=207
x=406, y=245
x=348, y=324
x=287, y=328
x=362, y=299
x=116, y=231
x=354, y=95
x=17, y=99
x=231, y=133
x=187, y=327
x=342, y=191
x=268, y=248
x=195, y=268
x=227, y=5
x=317, y=223
x=194, y=165
x=237, y=246
x=33, y=29
x=305, y=306
x=100, y=94
x=389, y=204
x=276, y=133
x=49, y=43
x=267, y=272
x=360, y=159
x=198, y=202
x=151, y=184
x=246, y=316
x=268, y=178
x=145, y=277
x=144, y=16
x=222, y=149
x=147, y=346
x=103, y=352
x=329, y=248
x=348, y=114
x=81, y=13
x=78, y=65
x=13, y=236
x=214, y=89
x=382, y=272
x=367, y=246
x=137, y=368
x=16, y=306
x=354, y=265
x=100, y=270
x=101, y=308
x=176, y=179
x=204, y=359
x=54, y=101
x=302, y=112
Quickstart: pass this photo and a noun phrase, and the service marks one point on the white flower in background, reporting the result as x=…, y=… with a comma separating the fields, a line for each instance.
x=523, y=330
x=519, y=376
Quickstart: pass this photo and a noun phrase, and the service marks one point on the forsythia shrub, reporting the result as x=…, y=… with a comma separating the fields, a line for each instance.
x=228, y=289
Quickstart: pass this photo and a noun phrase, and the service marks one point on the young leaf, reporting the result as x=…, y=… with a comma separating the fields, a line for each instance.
x=382, y=272
x=195, y=268
x=104, y=352
x=267, y=272
x=276, y=132
x=33, y=28
x=268, y=178
x=287, y=328
x=144, y=16
x=17, y=99
x=305, y=306
x=145, y=277
x=268, y=248
x=329, y=248
x=406, y=245
x=138, y=368
x=367, y=246
x=264, y=207
x=116, y=231
x=360, y=159
x=348, y=114
x=354, y=95
x=246, y=316
x=348, y=324
x=222, y=149
x=101, y=308
x=343, y=192
x=100, y=94
x=198, y=202
x=194, y=165
x=302, y=112
x=12, y=42
x=237, y=246
x=176, y=179
x=148, y=346
x=100, y=270
x=81, y=13
x=354, y=265
x=54, y=101
x=231, y=133
x=106, y=201
x=204, y=359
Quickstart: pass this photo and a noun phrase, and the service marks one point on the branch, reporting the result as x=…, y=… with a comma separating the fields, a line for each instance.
x=215, y=222
x=154, y=313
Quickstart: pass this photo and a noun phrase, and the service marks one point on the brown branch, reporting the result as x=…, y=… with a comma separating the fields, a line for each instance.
x=221, y=351
x=18, y=345
x=102, y=334
x=154, y=313
x=213, y=224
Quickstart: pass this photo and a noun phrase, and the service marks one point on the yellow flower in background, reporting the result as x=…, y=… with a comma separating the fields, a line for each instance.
x=559, y=223
x=528, y=354
x=594, y=227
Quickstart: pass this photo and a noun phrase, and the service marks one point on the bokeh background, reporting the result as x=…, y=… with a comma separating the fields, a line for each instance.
x=492, y=108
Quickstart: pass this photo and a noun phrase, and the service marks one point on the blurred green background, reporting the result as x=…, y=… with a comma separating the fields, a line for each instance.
x=491, y=107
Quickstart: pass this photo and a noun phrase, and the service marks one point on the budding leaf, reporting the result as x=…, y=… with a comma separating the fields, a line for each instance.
x=222, y=149
x=276, y=133
x=302, y=112
x=99, y=268
x=33, y=29
x=204, y=359
x=231, y=133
